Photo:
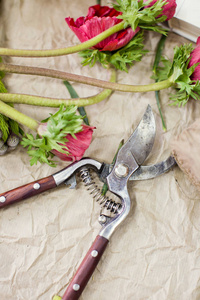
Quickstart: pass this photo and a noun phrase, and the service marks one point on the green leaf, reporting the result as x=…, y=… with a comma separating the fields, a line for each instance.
x=120, y=59
x=7, y=125
x=74, y=94
x=63, y=122
x=180, y=74
x=155, y=67
x=2, y=88
x=163, y=69
x=2, y=74
x=135, y=13
x=14, y=127
x=4, y=127
x=37, y=150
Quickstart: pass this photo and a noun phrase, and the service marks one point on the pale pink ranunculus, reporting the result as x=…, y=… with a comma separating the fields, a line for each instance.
x=194, y=59
x=99, y=19
x=76, y=146
x=168, y=9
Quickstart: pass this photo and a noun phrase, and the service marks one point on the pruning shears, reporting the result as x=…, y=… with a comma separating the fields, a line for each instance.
x=127, y=166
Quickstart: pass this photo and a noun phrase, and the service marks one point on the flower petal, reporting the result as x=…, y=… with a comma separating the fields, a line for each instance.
x=99, y=19
x=76, y=146
x=195, y=58
x=102, y=11
x=168, y=9
x=122, y=41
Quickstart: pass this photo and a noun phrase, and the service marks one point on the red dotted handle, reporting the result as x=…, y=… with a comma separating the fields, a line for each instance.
x=27, y=191
x=86, y=269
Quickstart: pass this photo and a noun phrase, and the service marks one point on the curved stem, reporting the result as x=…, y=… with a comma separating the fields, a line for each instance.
x=64, y=51
x=14, y=114
x=52, y=102
x=86, y=80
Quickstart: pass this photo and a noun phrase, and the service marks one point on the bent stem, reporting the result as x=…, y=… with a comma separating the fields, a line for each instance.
x=87, y=80
x=15, y=115
x=54, y=102
x=64, y=51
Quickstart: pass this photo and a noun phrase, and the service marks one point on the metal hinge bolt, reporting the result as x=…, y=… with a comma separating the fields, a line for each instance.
x=121, y=170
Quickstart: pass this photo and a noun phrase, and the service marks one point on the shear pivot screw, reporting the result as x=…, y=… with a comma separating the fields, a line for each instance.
x=121, y=170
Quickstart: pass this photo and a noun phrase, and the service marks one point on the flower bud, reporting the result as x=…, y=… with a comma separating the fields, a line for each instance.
x=194, y=59
x=168, y=9
x=13, y=140
x=3, y=149
x=76, y=146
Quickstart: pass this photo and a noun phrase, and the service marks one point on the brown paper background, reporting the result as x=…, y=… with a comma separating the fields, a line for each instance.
x=154, y=254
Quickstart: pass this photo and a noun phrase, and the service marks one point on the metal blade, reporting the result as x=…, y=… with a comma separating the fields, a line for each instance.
x=152, y=171
x=141, y=141
x=132, y=154
x=143, y=172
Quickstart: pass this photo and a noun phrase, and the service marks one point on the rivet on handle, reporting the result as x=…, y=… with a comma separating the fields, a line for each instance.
x=76, y=287
x=2, y=199
x=36, y=186
x=94, y=253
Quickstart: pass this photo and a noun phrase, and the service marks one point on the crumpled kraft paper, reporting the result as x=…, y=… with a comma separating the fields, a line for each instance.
x=185, y=149
x=154, y=254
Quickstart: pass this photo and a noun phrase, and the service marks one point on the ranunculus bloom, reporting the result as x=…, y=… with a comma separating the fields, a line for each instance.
x=76, y=146
x=195, y=58
x=168, y=9
x=99, y=19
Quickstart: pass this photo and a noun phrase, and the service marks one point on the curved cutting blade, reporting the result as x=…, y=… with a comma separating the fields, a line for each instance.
x=141, y=141
x=143, y=172
x=152, y=171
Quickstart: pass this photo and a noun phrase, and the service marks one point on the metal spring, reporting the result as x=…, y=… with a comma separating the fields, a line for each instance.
x=103, y=200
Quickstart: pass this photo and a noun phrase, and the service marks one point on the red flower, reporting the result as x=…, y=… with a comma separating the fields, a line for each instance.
x=168, y=9
x=99, y=19
x=76, y=146
x=195, y=58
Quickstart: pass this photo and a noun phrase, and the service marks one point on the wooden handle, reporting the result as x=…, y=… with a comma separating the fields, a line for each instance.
x=27, y=191
x=86, y=269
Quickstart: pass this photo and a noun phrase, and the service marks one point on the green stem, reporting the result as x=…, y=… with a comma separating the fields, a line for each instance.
x=64, y=51
x=155, y=66
x=15, y=115
x=87, y=80
x=73, y=95
x=53, y=102
x=159, y=109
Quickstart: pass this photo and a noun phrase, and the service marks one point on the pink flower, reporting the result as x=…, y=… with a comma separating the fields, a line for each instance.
x=168, y=9
x=76, y=146
x=195, y=58
x=99, y=19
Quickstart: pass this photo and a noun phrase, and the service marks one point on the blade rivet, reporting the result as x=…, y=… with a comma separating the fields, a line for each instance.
x=121, y=170
x=76, y=287
x=102, y=219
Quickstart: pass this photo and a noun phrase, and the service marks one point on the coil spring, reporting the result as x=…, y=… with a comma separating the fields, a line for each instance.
x=103, y=200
